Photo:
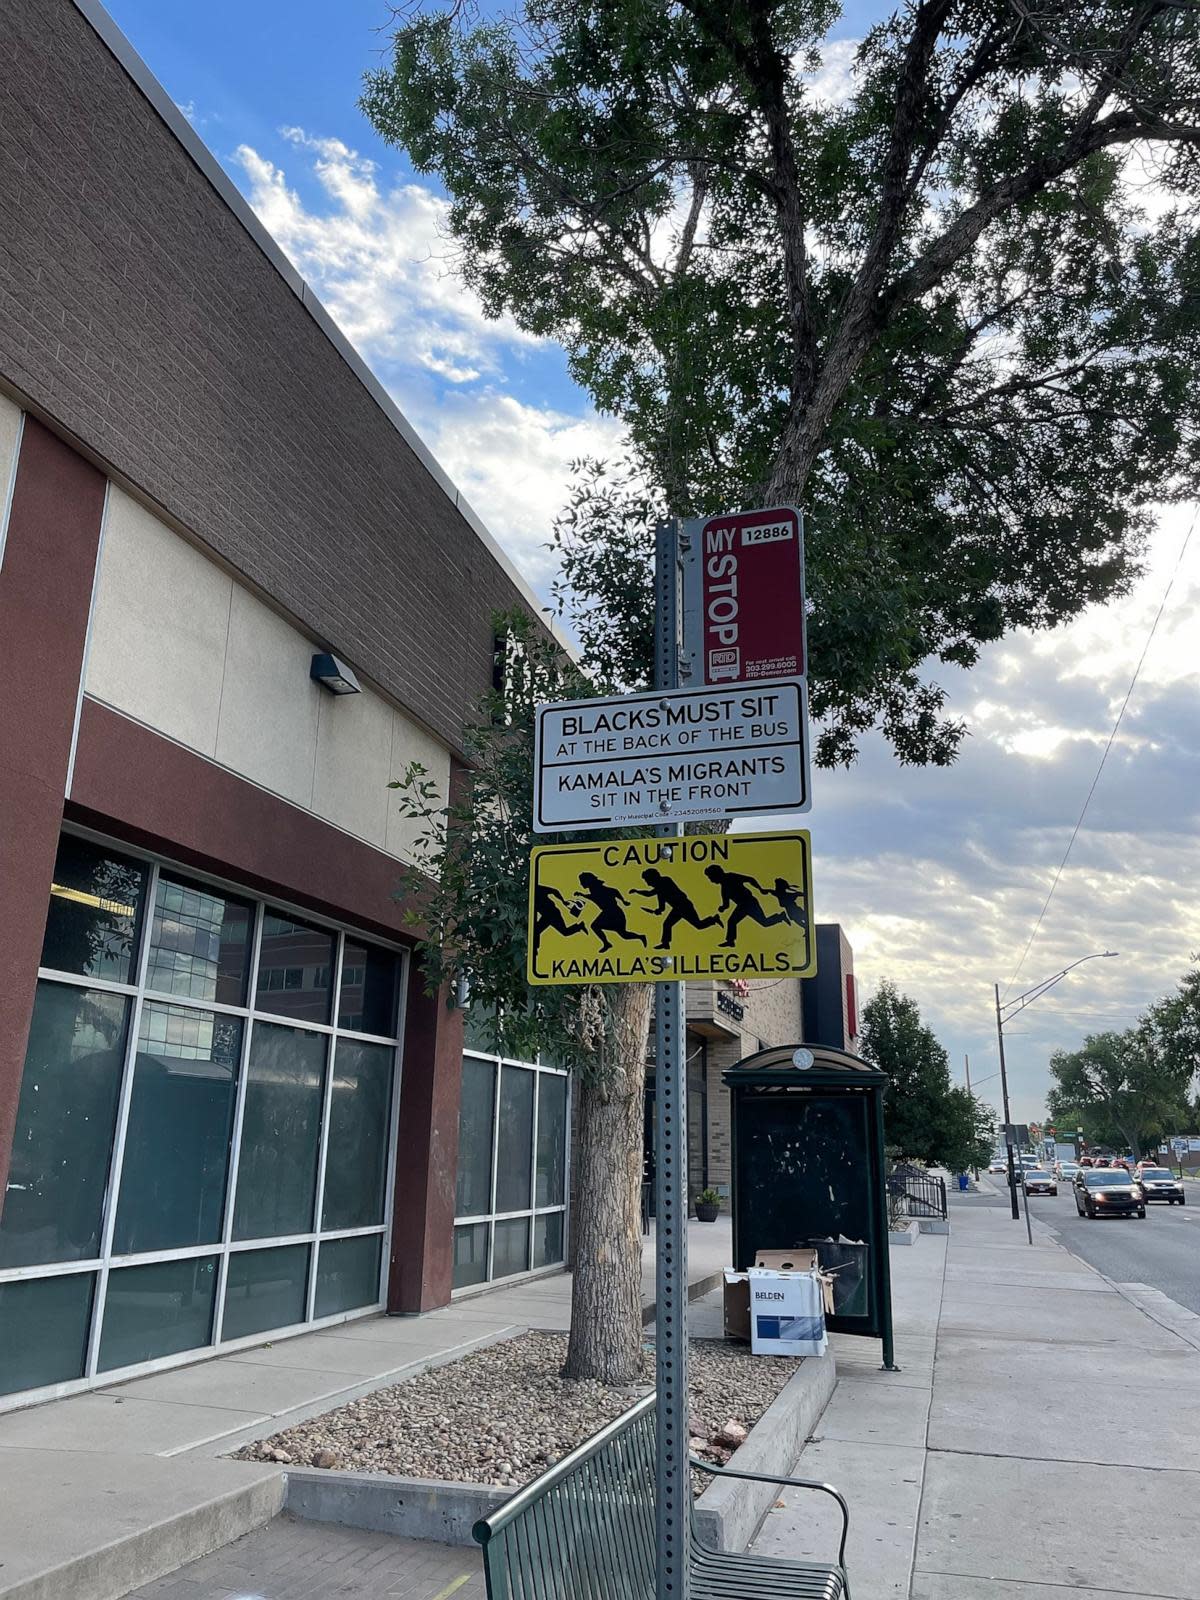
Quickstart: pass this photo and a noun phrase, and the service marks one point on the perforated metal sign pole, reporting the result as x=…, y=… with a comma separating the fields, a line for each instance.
x=672, y=1480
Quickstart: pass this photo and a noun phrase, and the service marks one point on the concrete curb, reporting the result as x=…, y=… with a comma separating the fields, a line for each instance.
x=730, y=1510
x=129, y=1561
x=410, y=1508
x=933, y=1224
x=697, y=1289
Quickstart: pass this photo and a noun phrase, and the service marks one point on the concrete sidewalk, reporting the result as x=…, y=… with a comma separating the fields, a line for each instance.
x=106, y=1490
x=1037, y=1445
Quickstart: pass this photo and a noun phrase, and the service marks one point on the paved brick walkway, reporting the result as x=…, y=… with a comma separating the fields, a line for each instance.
x=291, y=1560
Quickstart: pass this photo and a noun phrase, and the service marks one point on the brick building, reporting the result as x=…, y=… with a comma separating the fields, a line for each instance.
x=212, y=1037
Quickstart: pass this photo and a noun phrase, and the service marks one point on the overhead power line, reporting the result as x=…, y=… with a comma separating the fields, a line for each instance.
x=1187, y=539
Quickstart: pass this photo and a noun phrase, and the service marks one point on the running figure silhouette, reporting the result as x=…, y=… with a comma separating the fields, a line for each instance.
x=546, y=914
x=610, y=902
x=789, y=896
x=672, y=902
x=735, y=893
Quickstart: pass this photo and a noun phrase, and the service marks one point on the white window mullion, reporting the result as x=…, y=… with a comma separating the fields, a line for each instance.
x=113, y=1195
x=235, y=1146
x=491, y=1249
x=393, y=1133
x=533, y=1157
x=323, y=1149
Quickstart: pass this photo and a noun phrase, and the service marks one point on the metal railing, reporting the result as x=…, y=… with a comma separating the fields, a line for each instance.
x=923, y=1195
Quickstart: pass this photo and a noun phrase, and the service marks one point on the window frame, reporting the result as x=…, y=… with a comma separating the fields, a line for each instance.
x=531, y=1212
x=101, y=1266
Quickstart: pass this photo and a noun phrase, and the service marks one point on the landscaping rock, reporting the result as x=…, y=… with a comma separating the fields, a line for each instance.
x=503, y=1414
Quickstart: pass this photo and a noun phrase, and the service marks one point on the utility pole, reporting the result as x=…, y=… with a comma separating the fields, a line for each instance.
x=1012, y=1177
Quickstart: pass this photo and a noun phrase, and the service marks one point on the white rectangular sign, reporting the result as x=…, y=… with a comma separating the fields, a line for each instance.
x=669, y=756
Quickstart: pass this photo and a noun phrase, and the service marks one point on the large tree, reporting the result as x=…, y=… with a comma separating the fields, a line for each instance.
x=1121, y=1082
x=929, y=307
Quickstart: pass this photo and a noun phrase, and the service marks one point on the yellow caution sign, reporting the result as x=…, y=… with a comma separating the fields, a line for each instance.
x=728, y=905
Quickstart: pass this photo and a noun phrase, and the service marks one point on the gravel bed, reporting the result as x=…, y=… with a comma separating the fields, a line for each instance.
x=503, y=1414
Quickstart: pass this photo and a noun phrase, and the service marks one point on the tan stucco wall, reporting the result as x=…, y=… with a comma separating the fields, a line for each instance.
x=180, y=645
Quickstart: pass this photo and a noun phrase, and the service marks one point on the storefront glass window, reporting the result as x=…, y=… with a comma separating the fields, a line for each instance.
x=552, y=1139
x=44, y=1330
x=295, y=969
x=281, y=1132
x=180, y=1118
x=199, y=943
x=54, y=1203
x=476, y=1126
x=266, y=1289
x=95, y=906
x=347, y=1274
x=512, y=1166
x=157, y=1311
x=358, y=1128
x=367, y=997
x=187, y=1084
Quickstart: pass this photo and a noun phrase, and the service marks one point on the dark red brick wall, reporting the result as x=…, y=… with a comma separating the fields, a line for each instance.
x=137, y=314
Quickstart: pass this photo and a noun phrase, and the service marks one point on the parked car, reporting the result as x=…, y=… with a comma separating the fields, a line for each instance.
x=1039, y=1182
x=1066, y=1171
x=1105, y=1193
x=1156, y=1183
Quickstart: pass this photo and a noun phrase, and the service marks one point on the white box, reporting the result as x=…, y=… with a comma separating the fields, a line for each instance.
x=787, y=1314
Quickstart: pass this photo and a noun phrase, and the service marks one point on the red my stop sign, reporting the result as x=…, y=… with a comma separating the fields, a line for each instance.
x=752, y=587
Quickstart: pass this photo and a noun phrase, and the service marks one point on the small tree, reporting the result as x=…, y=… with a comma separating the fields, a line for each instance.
x=894, y=1038
x=468, y=886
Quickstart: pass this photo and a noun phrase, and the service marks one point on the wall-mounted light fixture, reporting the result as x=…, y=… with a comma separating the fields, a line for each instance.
x=333, y=675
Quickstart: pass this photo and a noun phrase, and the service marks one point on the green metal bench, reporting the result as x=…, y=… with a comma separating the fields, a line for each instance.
x=584, y=1530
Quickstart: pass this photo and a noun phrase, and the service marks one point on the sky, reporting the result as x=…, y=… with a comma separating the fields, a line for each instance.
x=937, y=876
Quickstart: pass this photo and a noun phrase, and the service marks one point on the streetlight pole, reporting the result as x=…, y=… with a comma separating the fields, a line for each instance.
x=1012, y=1177
x=967, y=1064
x=1012, y=1008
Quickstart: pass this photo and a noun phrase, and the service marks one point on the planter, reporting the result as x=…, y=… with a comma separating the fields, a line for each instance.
x=707, y=1213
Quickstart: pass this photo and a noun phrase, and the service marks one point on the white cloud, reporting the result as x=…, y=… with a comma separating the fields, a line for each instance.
x=939, y=876
x=381, y=260
x=379, y=256
x=512, y=462
x=832, y=84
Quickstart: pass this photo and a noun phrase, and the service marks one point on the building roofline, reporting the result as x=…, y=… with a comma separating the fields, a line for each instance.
x=120, y=47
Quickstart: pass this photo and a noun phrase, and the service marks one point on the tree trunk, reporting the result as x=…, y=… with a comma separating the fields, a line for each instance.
x=606, y=1289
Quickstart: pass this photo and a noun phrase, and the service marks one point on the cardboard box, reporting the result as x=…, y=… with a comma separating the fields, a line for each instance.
x=737, y=1305
x=787, y=1313
x=801, y=1259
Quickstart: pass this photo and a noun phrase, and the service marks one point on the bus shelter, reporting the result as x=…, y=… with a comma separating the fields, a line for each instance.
x=807, y=1165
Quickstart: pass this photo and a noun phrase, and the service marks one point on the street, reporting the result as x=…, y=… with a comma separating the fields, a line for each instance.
x=1163, y=1251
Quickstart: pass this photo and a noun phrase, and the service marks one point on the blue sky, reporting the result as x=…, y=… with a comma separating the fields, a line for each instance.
x=937, y=876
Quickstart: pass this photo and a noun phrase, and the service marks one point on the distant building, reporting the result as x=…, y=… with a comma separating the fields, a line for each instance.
x=830, y=999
